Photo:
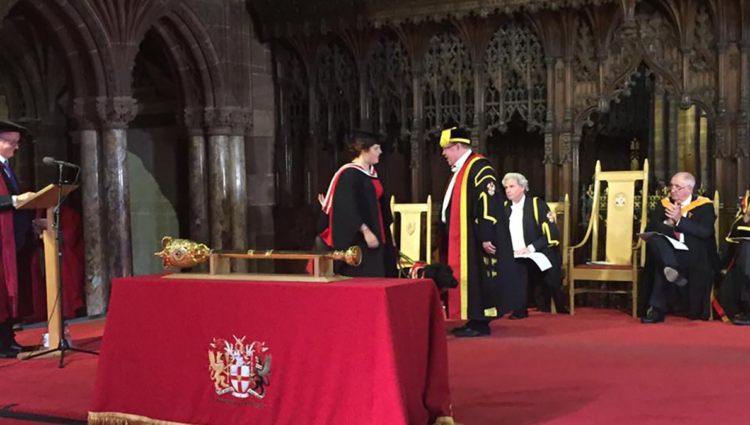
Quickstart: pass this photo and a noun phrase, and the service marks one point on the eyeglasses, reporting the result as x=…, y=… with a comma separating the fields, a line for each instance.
x=12, y=142
x=678, y=187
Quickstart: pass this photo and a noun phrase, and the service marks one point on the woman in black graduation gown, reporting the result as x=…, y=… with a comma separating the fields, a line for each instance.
x=358, y=212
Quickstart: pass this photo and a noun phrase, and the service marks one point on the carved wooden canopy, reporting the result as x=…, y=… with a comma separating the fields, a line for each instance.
x=284, y=18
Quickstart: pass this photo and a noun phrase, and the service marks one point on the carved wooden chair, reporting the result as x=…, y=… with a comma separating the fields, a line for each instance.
x=623, y=258
x=717, y=228
x=409, y=241
x=561, y=211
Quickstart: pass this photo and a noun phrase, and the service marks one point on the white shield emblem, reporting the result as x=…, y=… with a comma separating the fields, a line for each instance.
x=239, y=376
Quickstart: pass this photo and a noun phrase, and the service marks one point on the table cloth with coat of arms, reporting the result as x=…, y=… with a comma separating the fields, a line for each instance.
x=362, y=351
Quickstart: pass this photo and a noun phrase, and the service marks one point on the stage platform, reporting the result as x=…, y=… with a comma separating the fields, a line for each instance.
x=599, y=366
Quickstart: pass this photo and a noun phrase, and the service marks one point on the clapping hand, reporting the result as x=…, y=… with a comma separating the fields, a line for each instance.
x=673, y=214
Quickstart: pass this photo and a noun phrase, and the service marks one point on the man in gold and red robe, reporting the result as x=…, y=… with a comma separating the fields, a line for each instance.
x=478, y=242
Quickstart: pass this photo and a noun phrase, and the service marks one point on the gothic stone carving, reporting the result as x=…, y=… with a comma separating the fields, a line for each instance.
x=389, y=80
x=517, y=78
x=448, y=84
x=116, y=112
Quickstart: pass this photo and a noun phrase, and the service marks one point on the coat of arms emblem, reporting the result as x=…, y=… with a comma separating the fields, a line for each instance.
x=239, y=368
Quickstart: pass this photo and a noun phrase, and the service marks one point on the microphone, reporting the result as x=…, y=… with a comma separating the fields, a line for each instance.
x=52, y=161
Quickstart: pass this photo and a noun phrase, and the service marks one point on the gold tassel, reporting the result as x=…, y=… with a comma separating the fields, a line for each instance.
x=115, y=418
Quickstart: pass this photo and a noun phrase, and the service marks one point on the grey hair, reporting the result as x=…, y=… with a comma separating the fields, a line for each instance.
x=519, y=178
x=688, y=178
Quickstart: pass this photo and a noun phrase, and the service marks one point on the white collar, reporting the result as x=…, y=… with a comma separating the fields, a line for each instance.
x=460, y=163
x=3, y=159
x=687, y=201
x=520, y=203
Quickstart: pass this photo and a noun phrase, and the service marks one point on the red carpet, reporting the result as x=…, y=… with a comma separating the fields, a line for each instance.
x=598, y=367
x=38, y=387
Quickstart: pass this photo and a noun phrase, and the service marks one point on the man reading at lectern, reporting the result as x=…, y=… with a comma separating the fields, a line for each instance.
x=15, y=232
x=689, y=220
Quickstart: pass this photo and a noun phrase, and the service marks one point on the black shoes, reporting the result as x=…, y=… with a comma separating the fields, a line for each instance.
x=469, y=333
x=674, y=276
x=654, y=315
x=518, y=315
x=742, y=319
x=473, y=329
x=20, y=348
x=7, y=353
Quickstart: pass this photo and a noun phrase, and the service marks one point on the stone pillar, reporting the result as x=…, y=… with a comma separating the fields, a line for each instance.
x=260, y=153
x=220, y=215
x=115, y=114
x=237, y=186
x=197, y=180
x=97, y=285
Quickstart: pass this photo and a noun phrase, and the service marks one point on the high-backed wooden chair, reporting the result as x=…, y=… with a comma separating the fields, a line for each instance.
x=409, y=242
x=622, y=257
x=561, y=211
x=717, y=228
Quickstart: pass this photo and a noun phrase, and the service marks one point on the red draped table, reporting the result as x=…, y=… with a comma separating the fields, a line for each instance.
x=356, y=352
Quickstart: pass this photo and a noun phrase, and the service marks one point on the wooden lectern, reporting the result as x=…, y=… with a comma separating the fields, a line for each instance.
x=47, y=199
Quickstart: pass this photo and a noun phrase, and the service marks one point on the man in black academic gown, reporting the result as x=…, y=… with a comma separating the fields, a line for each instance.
x=689, y=220
x=477, y=242
x=532, y=229
x=736, y=286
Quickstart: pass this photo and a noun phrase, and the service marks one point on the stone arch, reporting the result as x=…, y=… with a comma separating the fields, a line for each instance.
x=81, y=55
x=181, y=27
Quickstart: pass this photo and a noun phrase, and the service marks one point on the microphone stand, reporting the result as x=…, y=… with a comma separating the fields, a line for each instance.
x=63, y=345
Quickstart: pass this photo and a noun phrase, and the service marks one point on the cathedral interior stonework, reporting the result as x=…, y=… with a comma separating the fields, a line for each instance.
x=222, y=120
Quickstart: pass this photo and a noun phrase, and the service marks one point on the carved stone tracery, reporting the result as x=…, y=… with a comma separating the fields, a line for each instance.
x=338, y=93
x=703, y=59
x=389, y=80
x=516, y=76
x=448, y=83
x=585, y=67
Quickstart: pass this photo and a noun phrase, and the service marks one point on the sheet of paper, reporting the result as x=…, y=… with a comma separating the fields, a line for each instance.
x=539, y=259
x=675, y=243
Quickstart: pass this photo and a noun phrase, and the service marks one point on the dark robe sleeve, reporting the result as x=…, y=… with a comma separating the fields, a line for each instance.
x=6, y=203
x=700, y=225
x=550, y=234
x=486, y=208
x=347, y=215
